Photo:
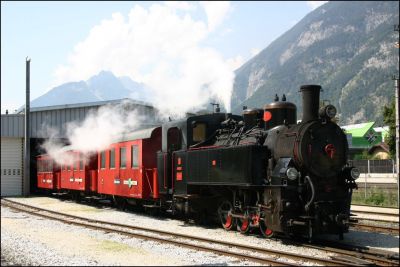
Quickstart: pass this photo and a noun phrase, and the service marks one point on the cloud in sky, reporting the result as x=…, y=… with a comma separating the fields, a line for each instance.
x=315, y=4
x=216, y=12
x=235, y=62
x=161, y=48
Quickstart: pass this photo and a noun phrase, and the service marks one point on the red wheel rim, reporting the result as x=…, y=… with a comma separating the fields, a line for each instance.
x=228, y=222
x=268, y=232
x=225, y=216
x=244, y=225
x=265, y=231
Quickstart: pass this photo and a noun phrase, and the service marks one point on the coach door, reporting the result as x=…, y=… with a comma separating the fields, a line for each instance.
x=164, y=160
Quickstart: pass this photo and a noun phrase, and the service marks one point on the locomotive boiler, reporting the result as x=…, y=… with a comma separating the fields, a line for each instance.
x=263, y=170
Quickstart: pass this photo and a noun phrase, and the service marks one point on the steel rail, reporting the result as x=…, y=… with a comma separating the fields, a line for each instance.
x=378, y=213
x=378, y=257
x=326, y=262
x=375, y=228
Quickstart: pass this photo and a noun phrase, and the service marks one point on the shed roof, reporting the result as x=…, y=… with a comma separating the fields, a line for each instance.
x=358, y=130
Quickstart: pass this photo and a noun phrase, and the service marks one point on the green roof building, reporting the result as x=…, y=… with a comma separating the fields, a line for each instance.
x=362, y=135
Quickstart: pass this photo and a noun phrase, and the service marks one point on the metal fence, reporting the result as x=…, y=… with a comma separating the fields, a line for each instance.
x=374, y=166
x=378, y=183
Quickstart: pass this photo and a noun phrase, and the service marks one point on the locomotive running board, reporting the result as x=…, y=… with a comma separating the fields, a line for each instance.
x=186, y=196
x=151, y=206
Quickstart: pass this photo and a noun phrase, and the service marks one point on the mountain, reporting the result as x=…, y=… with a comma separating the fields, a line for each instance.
x=103, y=86
x=346, y=47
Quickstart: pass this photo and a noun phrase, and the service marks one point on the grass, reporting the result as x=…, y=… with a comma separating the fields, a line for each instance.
x=381, y=197
x=114, y=246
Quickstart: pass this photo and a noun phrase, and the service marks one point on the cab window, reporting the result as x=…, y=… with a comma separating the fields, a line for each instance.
x=199, y=132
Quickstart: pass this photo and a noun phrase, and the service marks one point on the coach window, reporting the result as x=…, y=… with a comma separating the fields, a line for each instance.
x=50, y=165
x=122, y=157
x=76, y=159
x=199, y=132
x=81, y=163
x=135, y=156
x=112, y=158
x=103, y=160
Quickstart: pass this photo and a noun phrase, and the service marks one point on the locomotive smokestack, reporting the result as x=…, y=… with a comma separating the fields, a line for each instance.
x=310, y=101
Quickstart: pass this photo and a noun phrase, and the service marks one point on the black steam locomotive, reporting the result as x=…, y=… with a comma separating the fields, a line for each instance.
x=263, y=170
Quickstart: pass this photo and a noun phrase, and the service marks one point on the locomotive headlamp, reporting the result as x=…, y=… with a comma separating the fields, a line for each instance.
x=328, y=111
x=354, y=173
x=292, y=173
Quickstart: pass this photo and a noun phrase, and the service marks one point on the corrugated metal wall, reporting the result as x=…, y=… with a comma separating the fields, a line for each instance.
x=42, y=119
x=12, y=125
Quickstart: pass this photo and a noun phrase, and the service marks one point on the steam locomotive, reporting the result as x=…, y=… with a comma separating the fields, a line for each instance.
x=260, y=170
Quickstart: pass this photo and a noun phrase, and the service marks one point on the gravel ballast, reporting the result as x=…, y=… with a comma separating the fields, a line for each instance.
x=30, y=240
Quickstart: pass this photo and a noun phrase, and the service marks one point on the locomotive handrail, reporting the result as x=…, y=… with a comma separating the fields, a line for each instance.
x=147, y=179
x=307, y=206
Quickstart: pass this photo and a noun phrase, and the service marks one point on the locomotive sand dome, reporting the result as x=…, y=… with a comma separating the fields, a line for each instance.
x=252, y=117
x=280, y=112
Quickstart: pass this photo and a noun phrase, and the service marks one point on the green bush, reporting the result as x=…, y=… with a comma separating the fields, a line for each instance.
x=376, y=196
x=376, y=199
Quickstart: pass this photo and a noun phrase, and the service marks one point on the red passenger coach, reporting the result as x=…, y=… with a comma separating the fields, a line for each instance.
x=81, y=174
x=128, y=167
x=48, y=173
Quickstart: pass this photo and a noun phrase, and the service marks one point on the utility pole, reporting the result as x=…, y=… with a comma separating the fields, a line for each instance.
x=27, y=145
x=397, y=111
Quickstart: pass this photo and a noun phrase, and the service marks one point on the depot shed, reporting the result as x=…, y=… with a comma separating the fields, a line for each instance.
x=42, y=118
x=12, y=153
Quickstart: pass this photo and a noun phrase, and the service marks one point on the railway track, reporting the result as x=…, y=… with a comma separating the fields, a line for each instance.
x=375, y=228
x=242, y=252
x=388, y=214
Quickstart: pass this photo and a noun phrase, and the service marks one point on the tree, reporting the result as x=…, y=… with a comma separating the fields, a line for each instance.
x=389, y=118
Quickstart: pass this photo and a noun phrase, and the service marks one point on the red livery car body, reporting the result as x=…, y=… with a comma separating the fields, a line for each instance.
x=80, y=174
x=127, y=168
x=48, y=173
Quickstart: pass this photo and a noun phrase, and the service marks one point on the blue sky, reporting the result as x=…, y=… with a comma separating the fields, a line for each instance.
x=71, y=41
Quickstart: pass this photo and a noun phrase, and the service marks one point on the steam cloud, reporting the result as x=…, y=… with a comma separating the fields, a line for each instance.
x=162, y=47
x=95, y=133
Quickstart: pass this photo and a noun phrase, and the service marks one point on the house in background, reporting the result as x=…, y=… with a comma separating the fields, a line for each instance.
x=362, y=137
x=380, y=151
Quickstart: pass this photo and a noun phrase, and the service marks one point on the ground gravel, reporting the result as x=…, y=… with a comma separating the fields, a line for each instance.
x=70, y=245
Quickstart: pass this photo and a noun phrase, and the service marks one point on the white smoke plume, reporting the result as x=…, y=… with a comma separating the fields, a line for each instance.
x=162, y=46
x=99, y=129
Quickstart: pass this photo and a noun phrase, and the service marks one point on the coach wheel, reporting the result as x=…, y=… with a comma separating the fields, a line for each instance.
x=120, y=203
x=266, y=232
x=243, y=225
x=224, y=213
x=76, y=197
